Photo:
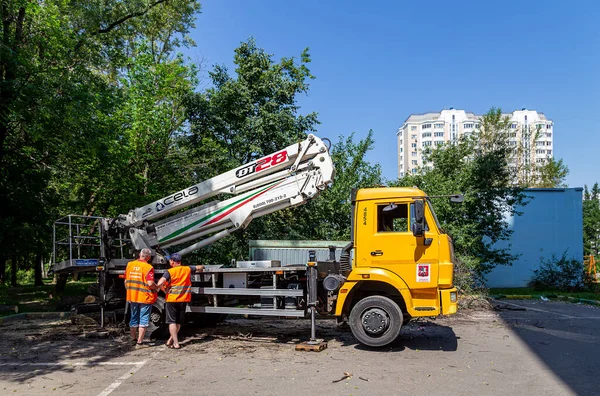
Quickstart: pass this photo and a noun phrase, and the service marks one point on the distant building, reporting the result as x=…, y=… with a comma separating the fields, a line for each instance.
x=530, y=132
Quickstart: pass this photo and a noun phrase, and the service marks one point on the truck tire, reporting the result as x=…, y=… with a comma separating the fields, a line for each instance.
x=376, y=321
x=157, y=328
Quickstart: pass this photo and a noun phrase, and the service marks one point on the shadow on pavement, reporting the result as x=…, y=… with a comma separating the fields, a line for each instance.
x=34, y=348
x=565, y=337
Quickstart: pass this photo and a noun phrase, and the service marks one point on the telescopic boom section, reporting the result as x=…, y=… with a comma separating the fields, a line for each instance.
x=287, y=178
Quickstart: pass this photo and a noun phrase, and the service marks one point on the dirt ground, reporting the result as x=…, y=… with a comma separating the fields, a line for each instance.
x=521, y=347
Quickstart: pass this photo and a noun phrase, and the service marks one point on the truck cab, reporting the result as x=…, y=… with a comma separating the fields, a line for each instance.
x=403, y=264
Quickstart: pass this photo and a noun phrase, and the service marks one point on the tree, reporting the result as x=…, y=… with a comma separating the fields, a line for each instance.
x=552, y=174
x=328, y=216
x=477, y=166
x=60, y=69
x=242, y=118
x=591, y=220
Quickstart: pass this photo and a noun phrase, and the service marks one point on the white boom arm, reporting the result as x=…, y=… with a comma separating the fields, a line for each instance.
x=287, y=178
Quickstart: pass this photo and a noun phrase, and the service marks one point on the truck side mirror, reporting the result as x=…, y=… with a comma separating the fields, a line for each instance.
x=457, y=198
x=418, y=227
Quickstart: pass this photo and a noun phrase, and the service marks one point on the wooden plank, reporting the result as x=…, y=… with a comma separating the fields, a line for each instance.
x=310, y=347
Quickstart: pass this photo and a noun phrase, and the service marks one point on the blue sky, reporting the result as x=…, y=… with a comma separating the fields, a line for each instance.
x=377, y=62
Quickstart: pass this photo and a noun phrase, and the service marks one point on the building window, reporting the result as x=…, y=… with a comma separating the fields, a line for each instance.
x=438, y=134
x=512, y=143
x=540, y=160
x=477, y=126
x=549, y=152
x=401, y=174
x=426, y=126
x=549, y=134
x=548, y=143
x=427, y=143
x=414, y=170
x=401, y=141
x=401, y=149
x=426, y=134
x=413, y=127
x=468, y=126
x=439, y=143
x=413, y=145
x=548, y=126
x=513, y=126
x=414, y=162
x=513, y=134
x=413, y=136
x=540, y=151
x=453, y=117
x=438, y=126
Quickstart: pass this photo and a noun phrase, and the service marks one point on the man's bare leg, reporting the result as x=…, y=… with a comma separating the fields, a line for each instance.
x=133, y=332
x=141, y=335
x=173, y=329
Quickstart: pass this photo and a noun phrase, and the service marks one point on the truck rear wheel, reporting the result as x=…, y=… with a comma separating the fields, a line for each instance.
x=376, y=321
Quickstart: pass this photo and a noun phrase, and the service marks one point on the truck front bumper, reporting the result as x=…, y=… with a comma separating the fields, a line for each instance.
x=449, y=301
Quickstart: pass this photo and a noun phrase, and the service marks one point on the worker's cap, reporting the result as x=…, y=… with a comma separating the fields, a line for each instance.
x=176, y=257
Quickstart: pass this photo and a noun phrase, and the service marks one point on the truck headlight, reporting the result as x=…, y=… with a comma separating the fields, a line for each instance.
x=452, y=297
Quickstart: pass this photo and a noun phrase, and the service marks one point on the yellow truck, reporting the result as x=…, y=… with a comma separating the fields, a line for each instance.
x=398, y=265
x=403, y=264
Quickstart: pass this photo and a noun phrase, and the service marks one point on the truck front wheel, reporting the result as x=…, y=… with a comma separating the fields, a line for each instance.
x=376, y=321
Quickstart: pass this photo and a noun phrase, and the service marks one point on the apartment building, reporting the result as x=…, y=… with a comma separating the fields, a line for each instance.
x=530, y=133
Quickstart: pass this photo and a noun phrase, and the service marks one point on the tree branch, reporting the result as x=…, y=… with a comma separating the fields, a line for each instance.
x=128, y=17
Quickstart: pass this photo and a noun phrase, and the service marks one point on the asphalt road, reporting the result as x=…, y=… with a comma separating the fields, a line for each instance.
x=524, y=347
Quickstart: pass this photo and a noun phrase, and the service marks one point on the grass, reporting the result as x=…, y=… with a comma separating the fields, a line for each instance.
x=30, y=298
x=532, y=293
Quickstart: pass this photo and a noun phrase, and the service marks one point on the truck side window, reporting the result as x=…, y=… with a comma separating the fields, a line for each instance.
x=393, y=219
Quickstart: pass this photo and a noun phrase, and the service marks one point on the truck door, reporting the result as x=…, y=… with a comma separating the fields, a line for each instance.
x=384, y=240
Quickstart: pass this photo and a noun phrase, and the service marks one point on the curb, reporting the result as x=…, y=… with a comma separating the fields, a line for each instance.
x=579, y=300
x=34, y=315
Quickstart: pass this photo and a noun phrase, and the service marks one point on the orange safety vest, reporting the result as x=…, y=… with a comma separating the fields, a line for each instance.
x=135, y=283
x=181, y=284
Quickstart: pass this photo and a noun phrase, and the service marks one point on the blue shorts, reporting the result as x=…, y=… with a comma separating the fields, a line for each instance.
x=140, y=314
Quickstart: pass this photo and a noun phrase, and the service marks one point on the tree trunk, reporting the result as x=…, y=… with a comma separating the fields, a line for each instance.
x=13, y=271
x=2, y=270
x=38, y=269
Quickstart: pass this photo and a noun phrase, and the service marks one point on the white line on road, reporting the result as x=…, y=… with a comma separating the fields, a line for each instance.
x=125, y=376
x=68, y=363
x=535, y=309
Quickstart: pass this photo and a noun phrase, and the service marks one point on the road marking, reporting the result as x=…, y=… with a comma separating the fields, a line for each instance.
x=68, y=363
x=535, y=309
x=109, y=389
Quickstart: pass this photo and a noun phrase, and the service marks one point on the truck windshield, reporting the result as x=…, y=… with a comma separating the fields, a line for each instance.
x=437, y=222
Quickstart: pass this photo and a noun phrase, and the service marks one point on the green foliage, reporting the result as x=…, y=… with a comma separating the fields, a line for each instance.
x=66, y=75
x=242, y=118
x=591, y=220
x=476, y=166
x=255, y=113
x=328, y=216
x=552, y=174
x=565, y=274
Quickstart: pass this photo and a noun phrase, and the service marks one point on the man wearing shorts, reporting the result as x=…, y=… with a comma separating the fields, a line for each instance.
x=177, y=283
x=141, y=294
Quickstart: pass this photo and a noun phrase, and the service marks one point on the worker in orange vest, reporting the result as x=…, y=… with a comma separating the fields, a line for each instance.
x=177, y=284
x=141, y=294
